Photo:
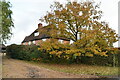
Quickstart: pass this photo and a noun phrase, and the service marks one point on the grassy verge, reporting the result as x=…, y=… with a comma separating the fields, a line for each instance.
x=80, y=68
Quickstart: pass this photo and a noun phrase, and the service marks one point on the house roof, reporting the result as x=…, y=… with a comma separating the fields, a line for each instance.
x=32, y=37
x=42, y=35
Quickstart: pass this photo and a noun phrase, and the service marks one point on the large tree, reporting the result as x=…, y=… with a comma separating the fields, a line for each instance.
x=6, y=22
x=81, y=22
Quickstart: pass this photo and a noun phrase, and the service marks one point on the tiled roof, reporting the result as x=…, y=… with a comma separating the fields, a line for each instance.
x=40, y=36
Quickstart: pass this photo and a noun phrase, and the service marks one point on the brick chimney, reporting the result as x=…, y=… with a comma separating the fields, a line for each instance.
x=40, y=25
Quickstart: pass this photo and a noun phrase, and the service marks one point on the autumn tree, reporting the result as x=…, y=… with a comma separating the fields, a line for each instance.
x=79, y=21
x=6, y=22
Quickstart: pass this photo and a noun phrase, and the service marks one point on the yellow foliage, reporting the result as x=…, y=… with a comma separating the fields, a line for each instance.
x=72, y=51
x=104, y=53
x=67, y=57
x=39, y=49
x=89, y=54
x=53, y=52
x=59, y=53
x=48, y=49
x=95, y=51
x=77, y=54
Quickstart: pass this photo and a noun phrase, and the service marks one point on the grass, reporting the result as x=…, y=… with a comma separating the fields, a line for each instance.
x=80, y=68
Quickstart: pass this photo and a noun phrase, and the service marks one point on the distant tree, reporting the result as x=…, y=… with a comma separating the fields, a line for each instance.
x=79, y=21
x=6, y=22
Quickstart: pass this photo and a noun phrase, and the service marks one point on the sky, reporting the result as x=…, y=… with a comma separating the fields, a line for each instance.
x=26, y=15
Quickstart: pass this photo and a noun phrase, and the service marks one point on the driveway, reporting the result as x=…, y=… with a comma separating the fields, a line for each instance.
x=20, y=69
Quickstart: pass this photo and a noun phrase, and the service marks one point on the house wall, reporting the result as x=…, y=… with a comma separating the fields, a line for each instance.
x=25, y=43
x=38, y=42
x=48, y=40
x=63, y=42
x=66, y=42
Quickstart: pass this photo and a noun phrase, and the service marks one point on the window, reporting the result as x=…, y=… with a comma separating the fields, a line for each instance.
x=33, y=42
x=44, y=39
x=36, y=34
x=71, y=41
x=24, y=43
x=29, y=42
x=80, y=13
x=61, y=41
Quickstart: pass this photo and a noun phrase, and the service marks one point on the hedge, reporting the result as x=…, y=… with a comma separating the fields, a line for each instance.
x=23, y=52
x=32, y=52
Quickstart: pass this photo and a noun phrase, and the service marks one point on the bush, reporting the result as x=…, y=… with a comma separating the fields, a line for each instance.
x=49, y=52
x=58, y=53
x=14, y=50
x=23, y=52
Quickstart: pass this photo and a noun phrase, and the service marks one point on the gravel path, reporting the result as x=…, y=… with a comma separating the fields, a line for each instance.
x=19, y=69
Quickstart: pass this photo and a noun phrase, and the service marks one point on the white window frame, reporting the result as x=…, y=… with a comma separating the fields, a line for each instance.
x=60, y=40
x=33, y=42
x=80, y=13
x=36, y=34
x=71, y=41
x=29, y=42
x=24, y=43
x=44, y=39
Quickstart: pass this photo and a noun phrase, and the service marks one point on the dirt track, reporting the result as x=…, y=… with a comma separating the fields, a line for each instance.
x=19, y=69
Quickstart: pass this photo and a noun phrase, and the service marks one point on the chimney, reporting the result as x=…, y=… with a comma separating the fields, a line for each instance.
x=40, y=25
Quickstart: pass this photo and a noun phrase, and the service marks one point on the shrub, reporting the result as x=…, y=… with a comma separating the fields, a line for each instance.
x=61, y=53
x=23, y=52
x=13, y=51
x=96, y=55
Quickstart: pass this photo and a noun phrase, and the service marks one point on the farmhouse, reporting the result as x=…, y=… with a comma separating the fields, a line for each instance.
x=39, y=35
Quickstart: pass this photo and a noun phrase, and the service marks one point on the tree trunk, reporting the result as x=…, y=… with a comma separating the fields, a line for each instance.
x=76, y=36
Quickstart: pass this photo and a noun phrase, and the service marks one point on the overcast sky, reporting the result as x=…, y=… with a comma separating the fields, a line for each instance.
x=26, y=15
